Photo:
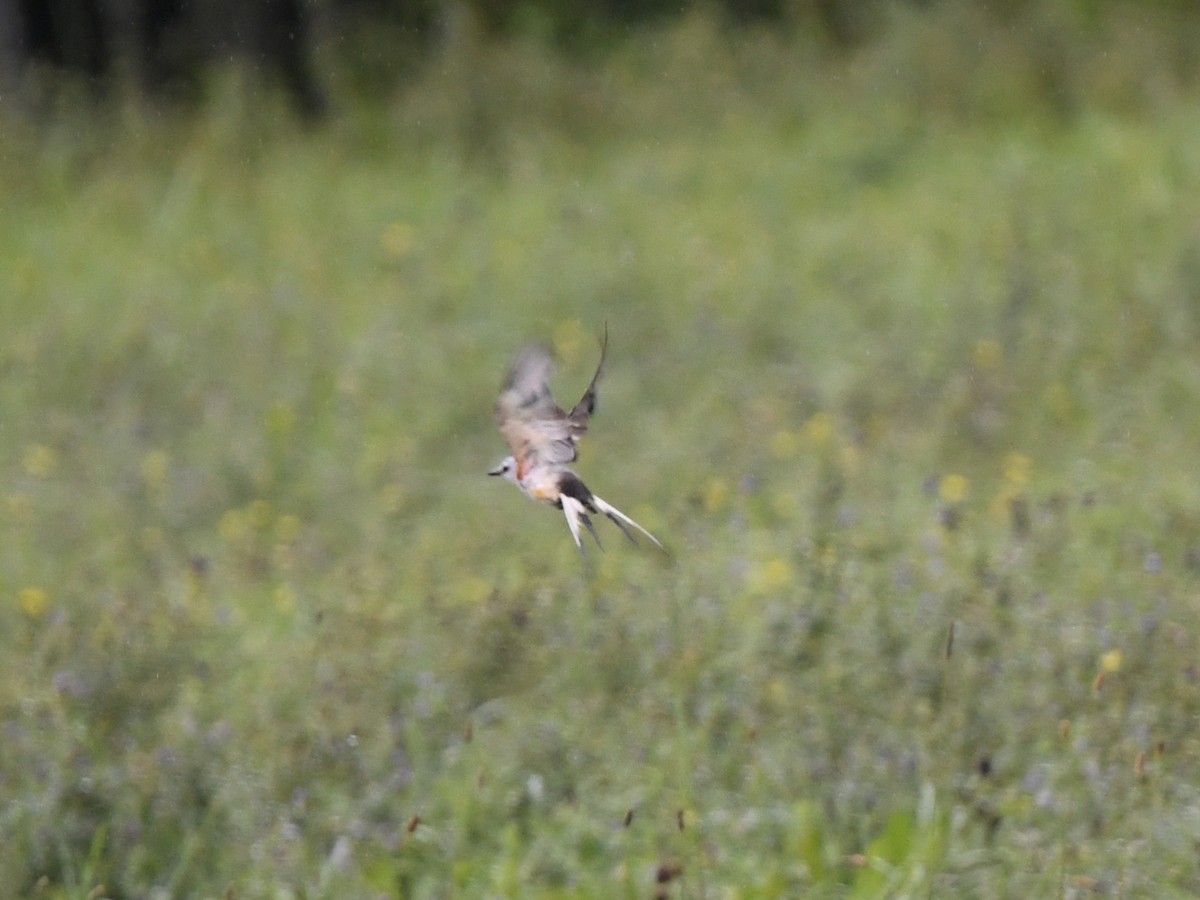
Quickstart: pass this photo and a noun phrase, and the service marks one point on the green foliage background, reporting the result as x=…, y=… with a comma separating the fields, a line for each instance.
x=903, y=368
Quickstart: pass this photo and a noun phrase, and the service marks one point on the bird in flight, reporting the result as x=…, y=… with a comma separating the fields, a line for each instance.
x=544, y=439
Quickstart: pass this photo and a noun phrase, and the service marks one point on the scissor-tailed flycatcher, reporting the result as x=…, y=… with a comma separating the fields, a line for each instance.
x=543, y=439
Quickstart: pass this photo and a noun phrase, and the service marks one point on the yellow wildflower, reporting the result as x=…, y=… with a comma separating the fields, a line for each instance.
x=474, y=589
x=1016, y=468
x=777, y=691
x=775, y=574
x=1058, y=400
x=260, y=514
x=786, y=503
x=828, y=557
x=397, y=240
x=569, y=338
x=285, y=598
x=716, y=495
x=233, y=526
x=988, y=354
x=785, y=444
x=391, y=497
x=154, y=469
x=33, y=601
x=39, y=461
x=819, y=428
x=279, y=419
x=153, y=540
x=287, y=529
x=850, y=458
x=953, y=488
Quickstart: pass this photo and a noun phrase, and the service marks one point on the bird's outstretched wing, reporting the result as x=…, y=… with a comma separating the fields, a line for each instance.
x=535, y=428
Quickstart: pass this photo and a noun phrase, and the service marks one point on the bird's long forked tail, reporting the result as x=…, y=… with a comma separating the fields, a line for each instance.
x=575, y=513
x=621, y=520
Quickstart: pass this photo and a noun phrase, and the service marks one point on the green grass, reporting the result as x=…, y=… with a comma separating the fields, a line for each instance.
x=903, y=367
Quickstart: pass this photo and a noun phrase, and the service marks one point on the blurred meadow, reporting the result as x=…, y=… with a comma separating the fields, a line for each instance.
x=904, y=367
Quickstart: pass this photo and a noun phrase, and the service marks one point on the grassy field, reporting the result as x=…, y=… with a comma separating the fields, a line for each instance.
x=904, y=367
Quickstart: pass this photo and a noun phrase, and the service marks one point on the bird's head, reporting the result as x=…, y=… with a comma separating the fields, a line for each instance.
x=507, y=469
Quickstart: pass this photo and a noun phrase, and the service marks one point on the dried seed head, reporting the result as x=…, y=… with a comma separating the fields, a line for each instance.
x=668, y=871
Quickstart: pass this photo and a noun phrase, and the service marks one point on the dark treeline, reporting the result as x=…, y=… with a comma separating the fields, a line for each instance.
x=163, y=46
